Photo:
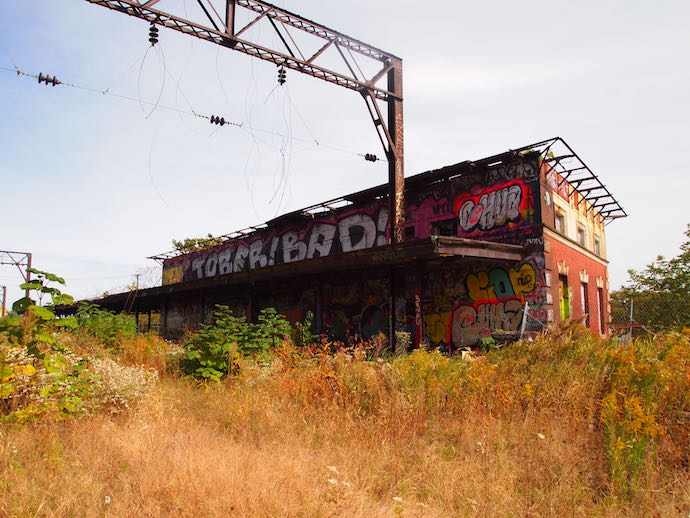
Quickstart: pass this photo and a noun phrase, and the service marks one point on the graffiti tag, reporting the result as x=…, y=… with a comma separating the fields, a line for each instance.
x=355, y=231
x=490, y=209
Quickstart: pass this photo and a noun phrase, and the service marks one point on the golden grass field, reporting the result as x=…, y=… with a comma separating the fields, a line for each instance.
x=528, y=431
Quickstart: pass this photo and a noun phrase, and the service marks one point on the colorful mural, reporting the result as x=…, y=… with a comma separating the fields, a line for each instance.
x=461, y=301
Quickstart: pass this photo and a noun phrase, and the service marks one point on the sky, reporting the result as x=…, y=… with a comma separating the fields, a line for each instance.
x=92, y=183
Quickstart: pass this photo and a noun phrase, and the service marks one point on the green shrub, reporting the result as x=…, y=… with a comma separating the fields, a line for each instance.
x=53, y=383
x=105, y=325
x=215, y=350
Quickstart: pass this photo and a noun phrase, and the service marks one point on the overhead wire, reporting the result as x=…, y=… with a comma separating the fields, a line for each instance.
x=193, y=113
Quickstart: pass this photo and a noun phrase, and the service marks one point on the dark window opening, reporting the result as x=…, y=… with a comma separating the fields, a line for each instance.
x=448, y=227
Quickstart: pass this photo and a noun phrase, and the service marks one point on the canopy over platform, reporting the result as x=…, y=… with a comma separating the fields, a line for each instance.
x=378, y=258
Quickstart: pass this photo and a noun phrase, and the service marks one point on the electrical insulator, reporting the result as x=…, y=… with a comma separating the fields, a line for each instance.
x=48, y=80
x=218, y=120
x=370, y=157
x=281, y=75
x=153, y=34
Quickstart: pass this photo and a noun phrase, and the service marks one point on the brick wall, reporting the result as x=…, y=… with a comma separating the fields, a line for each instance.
x=568, y=262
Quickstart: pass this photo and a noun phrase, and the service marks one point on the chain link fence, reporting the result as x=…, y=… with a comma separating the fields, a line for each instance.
x=637, y=314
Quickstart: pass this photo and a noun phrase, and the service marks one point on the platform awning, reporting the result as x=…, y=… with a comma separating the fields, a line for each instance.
x=381, y=257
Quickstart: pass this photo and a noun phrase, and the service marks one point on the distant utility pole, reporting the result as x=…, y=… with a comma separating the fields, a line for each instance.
x=4, y=300
x=137, y=275
x=18, y=259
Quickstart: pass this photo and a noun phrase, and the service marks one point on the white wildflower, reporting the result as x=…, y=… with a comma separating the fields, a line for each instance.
x=397, y=499
x=119, y=387
x=333, y=469
x=332, y=481
x=541, y=436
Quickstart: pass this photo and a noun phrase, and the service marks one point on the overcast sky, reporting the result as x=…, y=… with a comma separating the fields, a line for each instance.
x=92, y=184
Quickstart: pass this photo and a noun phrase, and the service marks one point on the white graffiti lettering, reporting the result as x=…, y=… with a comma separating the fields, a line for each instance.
x=493, y=209
x=357, y=231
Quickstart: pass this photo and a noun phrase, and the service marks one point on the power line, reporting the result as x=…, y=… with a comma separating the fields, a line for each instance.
x=190, y=112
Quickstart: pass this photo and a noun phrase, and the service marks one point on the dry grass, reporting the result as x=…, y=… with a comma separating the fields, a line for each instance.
x=344, y=438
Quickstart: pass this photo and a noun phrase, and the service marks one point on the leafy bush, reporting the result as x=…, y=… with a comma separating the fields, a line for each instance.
x=33, y=325
x=40, y=376
x=216, y=349
x=105, y=325
x=53, y=383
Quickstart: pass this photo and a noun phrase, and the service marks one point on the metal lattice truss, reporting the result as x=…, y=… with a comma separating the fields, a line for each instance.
x=306, y=47
x=220, y=29
x=571, y=170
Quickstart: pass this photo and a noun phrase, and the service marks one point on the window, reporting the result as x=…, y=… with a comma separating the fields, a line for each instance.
x=560, y=223
x=584, y=299
x=600, y=303
x=409, y=233
x=564, y=296
x=581, y=237
x=447, y=227
x=597, y=246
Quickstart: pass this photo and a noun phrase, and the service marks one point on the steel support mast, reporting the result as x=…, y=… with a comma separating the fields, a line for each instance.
x=216, y=23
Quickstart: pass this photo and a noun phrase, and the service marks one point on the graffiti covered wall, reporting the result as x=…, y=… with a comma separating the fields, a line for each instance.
x=496, y=205
x=462, y=300
x=466, y=304
x=355, y=229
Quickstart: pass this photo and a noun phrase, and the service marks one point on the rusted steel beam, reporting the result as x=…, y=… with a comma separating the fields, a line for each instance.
x=396, y=173
x=223, y=36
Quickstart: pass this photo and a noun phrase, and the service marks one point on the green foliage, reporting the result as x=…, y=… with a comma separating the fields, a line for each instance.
x=54, y=383
x=303, y=334
x=105, y=325
x=33, y=325
x=216, y=349
x=192, y=244
x=660, y=293
x=487, y=343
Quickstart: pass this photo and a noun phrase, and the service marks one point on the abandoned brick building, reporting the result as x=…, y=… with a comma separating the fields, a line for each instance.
x=506, y=244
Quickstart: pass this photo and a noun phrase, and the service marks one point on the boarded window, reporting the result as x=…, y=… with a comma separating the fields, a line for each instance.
x=600, y=303
x=584, y=299
x=564, y=296
x=560, y=223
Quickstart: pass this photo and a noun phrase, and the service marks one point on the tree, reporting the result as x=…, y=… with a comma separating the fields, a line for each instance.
x=660, y=293
x=192, y=244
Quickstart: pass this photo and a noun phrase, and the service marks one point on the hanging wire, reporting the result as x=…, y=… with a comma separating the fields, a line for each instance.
x=153, y=182
x=252, y=129
x=141, y=67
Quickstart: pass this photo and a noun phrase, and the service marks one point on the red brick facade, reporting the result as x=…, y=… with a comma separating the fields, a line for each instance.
x=566, y=260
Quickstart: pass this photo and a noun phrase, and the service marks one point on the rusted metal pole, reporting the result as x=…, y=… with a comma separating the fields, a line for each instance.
x=396, y=181
x=4, y=300
x=396, y=170
x=230, y=17
x=27, y=277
